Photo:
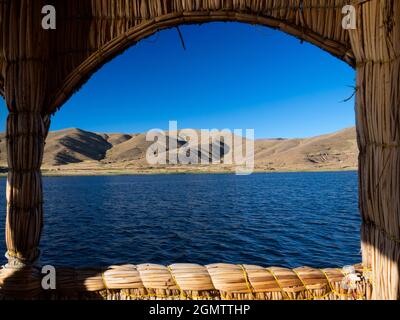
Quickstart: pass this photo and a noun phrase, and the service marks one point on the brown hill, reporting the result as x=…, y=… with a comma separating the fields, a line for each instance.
x=332, y=151
x=74, y=146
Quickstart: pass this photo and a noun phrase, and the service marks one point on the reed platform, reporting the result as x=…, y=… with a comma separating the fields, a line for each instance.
x=189, y=282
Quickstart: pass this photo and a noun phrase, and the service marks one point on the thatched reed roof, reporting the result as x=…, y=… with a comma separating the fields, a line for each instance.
x=89, y=33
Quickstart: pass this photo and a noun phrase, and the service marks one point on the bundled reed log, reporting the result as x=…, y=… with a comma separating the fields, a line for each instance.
x=26, y=75
x=193, y=282
x=22, y=283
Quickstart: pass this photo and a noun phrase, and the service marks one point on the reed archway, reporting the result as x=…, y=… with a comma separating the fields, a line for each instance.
x=41, y=69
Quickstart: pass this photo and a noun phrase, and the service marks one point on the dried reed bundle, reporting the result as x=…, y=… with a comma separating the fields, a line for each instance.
x=376, y=45
x=191, y=281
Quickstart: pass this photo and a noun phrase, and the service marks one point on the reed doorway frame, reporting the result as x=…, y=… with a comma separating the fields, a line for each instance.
x=41, y=69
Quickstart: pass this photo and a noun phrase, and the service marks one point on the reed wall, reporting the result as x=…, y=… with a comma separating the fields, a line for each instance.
x=376, y=46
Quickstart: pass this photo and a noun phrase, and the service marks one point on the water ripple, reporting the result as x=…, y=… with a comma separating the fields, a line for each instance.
x=286, y=219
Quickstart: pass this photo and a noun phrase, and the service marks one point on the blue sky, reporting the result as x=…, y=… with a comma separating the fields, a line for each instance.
x=232, y=76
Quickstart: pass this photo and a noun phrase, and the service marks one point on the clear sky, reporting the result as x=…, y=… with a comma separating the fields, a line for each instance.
x=232, y=76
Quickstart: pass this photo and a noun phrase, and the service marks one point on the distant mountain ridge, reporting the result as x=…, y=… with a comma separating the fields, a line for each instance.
x=75, y=146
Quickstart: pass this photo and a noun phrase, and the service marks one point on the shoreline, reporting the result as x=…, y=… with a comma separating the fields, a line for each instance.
x=135, y=172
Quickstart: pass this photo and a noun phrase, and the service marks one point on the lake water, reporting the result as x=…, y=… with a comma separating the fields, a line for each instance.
x=280, y=219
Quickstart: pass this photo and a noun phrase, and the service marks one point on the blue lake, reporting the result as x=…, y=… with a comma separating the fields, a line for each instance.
x=280, y=219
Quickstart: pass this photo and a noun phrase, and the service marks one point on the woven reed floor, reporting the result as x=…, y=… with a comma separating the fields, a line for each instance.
x=188, y=282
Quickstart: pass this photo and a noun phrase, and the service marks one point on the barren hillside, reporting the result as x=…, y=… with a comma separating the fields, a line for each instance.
x=76, y=148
